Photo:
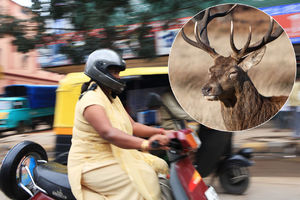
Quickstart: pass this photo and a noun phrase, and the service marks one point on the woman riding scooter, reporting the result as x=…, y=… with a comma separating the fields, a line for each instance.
x=98, y=168
x=104, y=161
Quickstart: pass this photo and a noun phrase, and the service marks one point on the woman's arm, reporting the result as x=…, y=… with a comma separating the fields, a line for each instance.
x=98, y=119
x=144, y=131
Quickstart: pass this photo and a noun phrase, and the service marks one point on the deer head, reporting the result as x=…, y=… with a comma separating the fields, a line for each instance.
x=228, y=74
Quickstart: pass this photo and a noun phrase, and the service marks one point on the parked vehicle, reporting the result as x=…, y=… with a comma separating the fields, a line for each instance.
x=25, y=106
x=27, y=174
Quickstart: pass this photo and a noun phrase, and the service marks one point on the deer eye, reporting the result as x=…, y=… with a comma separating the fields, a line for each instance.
x=233, y=74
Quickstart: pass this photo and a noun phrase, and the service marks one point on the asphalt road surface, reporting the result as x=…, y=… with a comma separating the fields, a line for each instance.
x=272, y=178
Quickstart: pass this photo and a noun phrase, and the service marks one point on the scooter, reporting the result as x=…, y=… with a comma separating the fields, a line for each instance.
x=27, y=174
x=216, y=157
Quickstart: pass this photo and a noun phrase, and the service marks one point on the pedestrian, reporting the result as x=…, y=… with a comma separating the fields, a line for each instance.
x=294, y=105
x=173, y=117
x=104, y=161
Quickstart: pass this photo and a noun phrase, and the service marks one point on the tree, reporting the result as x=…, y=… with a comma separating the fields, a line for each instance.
x=96, y=24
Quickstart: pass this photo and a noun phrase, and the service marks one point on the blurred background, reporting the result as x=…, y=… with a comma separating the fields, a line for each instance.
x=41, y=42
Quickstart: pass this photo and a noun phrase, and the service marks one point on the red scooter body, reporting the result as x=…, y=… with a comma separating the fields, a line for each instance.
x=41, y=196
x=186, y=182
x=190, y=179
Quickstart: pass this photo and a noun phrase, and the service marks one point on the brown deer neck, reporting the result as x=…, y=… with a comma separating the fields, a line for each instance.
x=238, y=111
x=244, y=92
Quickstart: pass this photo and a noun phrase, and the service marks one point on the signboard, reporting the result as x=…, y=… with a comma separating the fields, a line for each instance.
x=164, y=40
x=49, y=56
x=288, y=16
x=165, y=37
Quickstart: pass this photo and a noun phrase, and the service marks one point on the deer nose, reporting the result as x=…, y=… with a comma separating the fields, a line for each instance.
x=206, y=89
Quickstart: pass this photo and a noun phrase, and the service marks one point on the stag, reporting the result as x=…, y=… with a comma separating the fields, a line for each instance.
x=242, y=106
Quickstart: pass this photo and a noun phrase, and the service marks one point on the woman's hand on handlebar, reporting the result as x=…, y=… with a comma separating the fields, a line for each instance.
x=166, y=132
x=162, y=139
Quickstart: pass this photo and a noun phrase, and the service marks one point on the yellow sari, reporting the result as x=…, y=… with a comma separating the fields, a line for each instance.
x=89, y=152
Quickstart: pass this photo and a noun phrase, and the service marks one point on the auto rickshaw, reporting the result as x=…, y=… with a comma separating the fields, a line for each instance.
x=139, y=81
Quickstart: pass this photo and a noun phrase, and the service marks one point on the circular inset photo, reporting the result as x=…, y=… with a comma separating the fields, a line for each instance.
x=232, y=67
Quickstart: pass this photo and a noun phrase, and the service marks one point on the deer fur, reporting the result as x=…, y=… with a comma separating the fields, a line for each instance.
x=246, y=107
x=242, y=106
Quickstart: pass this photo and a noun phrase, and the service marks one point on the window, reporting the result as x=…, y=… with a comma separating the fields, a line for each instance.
x=5, y=105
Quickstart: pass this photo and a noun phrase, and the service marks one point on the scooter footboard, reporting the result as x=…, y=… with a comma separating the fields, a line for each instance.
x=178, y=191
x=187, y=181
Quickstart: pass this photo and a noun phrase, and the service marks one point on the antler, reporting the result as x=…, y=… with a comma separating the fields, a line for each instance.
x=200, y=31
x=240, y=54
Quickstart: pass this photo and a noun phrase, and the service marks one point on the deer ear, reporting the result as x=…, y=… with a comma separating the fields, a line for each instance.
x=252, y=59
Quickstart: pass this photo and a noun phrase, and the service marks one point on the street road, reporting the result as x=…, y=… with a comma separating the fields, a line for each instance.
x=273, y=176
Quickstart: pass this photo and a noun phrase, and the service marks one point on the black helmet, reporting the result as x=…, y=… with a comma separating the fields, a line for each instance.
x=97, y=66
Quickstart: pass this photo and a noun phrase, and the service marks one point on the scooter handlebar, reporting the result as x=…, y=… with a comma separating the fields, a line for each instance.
x=178, y=140
x=174, y=143
x=155, y=144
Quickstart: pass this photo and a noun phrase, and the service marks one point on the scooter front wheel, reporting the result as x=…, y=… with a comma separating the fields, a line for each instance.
x=13, y=173
x=234, y=179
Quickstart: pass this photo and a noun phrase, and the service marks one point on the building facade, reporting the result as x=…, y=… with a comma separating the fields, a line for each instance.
x=16, y=67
